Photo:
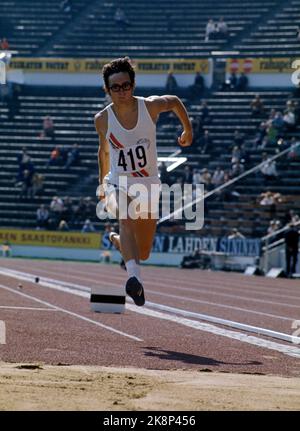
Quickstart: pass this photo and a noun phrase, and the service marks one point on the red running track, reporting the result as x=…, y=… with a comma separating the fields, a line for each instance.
x=53, y=326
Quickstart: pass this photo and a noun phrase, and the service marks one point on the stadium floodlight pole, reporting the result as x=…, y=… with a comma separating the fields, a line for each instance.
x=229, y=183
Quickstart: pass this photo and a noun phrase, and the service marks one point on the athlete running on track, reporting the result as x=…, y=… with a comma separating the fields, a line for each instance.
x=127, y=148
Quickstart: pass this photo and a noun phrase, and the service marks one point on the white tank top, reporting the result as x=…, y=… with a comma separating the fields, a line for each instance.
x=132, y=152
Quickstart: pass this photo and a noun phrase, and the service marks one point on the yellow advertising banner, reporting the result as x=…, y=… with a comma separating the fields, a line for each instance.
x=260, y=65
x=70, y=65
x=50, y=238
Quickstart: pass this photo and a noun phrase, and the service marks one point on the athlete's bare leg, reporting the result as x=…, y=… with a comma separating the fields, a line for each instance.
x=144, y=231
x=127, y=240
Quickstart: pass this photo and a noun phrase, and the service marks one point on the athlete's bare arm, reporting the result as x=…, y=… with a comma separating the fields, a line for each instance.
x=103, y=150
x=158, y=104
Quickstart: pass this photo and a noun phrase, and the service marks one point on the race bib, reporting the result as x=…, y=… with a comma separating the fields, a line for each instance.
x=134, y=158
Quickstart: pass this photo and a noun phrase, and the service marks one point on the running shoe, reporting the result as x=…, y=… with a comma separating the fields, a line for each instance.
x=136, y=291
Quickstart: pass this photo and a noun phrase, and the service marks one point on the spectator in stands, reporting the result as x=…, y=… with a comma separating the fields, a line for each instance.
x=237, y=168
x=205, y=113
x=210, y=31
x=289, y=217
x=274, y=225
x=289, y=121
x=236, y=154
x=206, y=179
x=271, y=117
x=222, y=29
x=205, y=142
x=55, y=156
x=37, y=184
x=164, y=174
x=270, y=198
x=232, y=81
x=196, y=177
x=218, y=177
x=235, y=234
x=266, y=198
x=90, y=207
x=257, y=106
x=4, y=45
x=278, y=123
x=63, y=226
x=48, y=128
x=80, y=211
x=298, y=33
x=25, y=163
x=294, y=153
x=245, y=156
x=291, y=238
x=26, y=187
x=268, y=169
x=73, y=157
x=23, y=158
x=56, y=208
x=242, y=82
x=197, y=89
x=121, y=19
x=42, y=216
x=187, y=175
x=88, y=226
x=171, y=84
x=197, y=129
x=260, y=135
x=68, y=210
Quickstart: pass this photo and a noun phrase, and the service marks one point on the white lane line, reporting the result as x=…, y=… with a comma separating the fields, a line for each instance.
x=216, y=304
x=174, y=282
x=285, y=349
x=9, y=307
x=71, y=313
x=30, y=277
x=225, y=322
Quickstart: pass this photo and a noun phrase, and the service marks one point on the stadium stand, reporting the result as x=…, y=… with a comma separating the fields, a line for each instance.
x=73, y=119
x=157, y=29
x=28, y=25
x=277, y=36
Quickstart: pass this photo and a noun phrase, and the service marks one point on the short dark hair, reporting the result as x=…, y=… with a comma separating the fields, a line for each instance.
x=116, y=66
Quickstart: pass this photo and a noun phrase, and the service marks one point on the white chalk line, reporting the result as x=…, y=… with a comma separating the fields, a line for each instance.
x=185, y=298
x=285, y=349
x=71, y=313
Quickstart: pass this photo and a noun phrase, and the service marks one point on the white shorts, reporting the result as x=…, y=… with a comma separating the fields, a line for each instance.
x=143, y=194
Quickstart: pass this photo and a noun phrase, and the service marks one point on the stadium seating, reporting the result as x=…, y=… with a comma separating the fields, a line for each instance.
x=158, y=29
x=73, y=118
x=276, y=36
x=30, y=24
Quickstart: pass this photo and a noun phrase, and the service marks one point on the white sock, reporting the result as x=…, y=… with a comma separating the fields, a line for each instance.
x=133, y=269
